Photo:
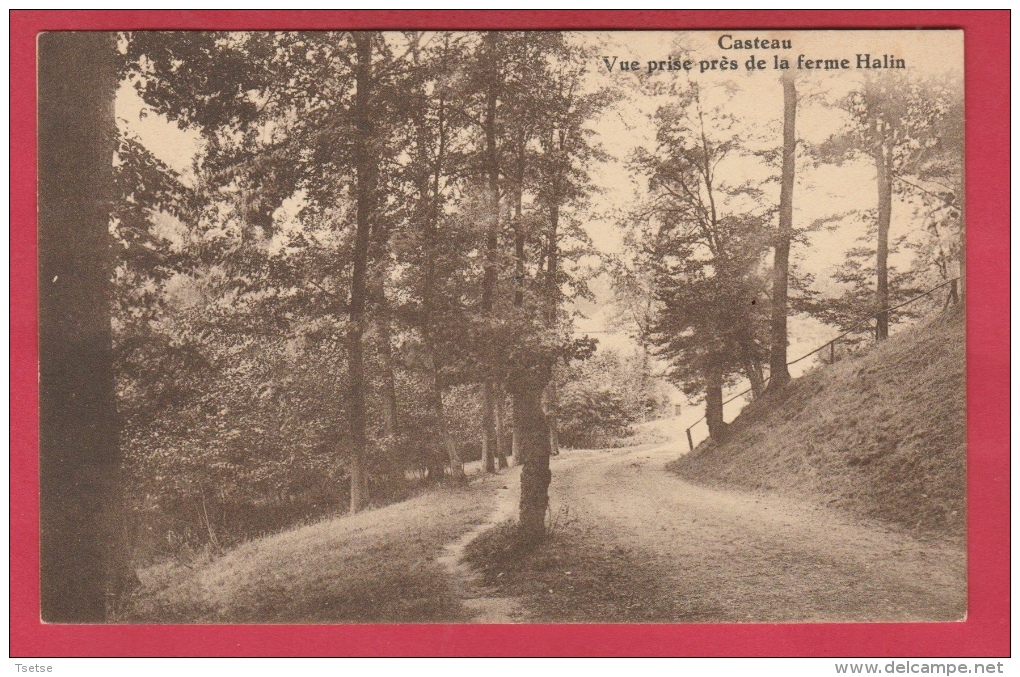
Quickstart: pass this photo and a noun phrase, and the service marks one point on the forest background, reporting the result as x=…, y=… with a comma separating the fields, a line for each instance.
x=517, y=188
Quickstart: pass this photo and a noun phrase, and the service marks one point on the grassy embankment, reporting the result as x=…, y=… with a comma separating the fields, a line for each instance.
x=377, y=566
x=881, y=435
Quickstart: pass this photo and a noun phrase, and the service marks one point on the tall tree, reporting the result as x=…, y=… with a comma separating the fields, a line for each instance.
x=522, y=136
x=706, y=250
x=779, y=374
x=563, y=182
x=555, y=143
x=431, y=245
x=895, y=121
x=491, y=57
x=523, y=121
x=564, y=138
x=82, y=556
x=366, y=171
x=305, y=117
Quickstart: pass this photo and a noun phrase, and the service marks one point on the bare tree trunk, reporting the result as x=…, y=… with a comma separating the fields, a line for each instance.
x=884, y=178
x=443, y=435
x=714, y=405
x=488, y=428
x=753, y=372
x=213, y=541
x=752, y=360
x=367, y=175
x=515, y=440
x=452, y=453
x=519, y=240
x=83, y=553
x=779, y=373
x=430, y=209
x=384, y=341
x=519, y=272
x=552, y=416
x=553, y=301
x=500, y=439
x=527, y=387
x=491, y=240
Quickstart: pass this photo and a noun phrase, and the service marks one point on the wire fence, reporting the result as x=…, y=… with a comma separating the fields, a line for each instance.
x=952, y=298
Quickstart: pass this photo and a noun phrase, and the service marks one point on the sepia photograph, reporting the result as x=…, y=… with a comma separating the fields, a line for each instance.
x=502, y=327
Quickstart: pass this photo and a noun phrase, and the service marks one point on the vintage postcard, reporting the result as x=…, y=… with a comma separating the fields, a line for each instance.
x=502, y=327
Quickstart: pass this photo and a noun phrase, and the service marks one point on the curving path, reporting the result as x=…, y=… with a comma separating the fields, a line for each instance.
x=734, y=556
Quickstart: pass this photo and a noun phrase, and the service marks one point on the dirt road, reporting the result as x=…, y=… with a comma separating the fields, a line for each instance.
x=632, y=542
x=739, y=557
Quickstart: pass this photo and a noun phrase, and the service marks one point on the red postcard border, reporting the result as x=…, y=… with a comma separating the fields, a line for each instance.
x=984, y=633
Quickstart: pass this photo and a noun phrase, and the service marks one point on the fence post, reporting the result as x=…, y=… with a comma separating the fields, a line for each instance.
x=690, y=440
x=832, y=352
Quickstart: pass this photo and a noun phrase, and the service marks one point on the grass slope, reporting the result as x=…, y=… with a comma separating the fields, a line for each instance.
x=574, y=576
x=881, y=435
x=377, y=566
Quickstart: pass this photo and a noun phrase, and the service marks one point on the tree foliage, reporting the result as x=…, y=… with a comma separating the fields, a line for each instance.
x=604, y=396
x=910, y=129
x=704, y=239
x=367, y=235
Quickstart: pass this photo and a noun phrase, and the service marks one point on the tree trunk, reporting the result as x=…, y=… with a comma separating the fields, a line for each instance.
x=714, y=405
x=430, y=210
x=552, y=416
x=519, y=241
x=519, y=273
x=83, y=554
x=384, y=345
x=552, y=309
x=442, y=440
x=488, y=428
x=500, y=439
x=779, y=373
x=529, y=420
x=442, y=452
x=491, y=241
x=752, y=361
x=884, y=219
x=444, y=435
x=367, y=174
x=214, y=542
x=757, y=380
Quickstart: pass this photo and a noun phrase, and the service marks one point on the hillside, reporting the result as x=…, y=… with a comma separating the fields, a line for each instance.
x=881, y=435
x=377, y=566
